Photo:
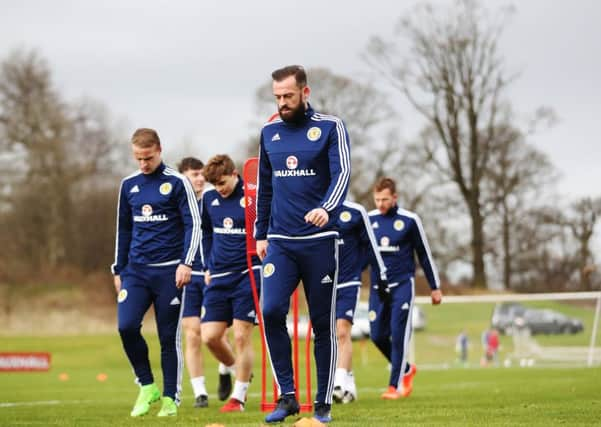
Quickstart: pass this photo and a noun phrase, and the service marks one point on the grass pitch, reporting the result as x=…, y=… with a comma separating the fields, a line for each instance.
x=455, y=396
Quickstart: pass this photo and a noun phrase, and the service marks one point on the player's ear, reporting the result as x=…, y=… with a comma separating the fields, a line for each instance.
x=306, y=92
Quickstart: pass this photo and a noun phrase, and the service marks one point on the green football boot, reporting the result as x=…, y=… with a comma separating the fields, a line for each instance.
x=148, y=394
x=169, y=408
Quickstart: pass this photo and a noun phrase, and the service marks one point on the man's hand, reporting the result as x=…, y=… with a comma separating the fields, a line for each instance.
x=183, y=274
x=117, y=283
x=436, y=296
x=318, y=217
x=207, y=277
x=261, y=249
x=384, y=292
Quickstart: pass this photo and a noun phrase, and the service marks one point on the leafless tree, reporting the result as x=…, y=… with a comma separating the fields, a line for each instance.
x=34, y=121
x=544, y=253
x=454, y=77
x=60, y=150
x=580, y=220
x=424, y=190
x=518, y=176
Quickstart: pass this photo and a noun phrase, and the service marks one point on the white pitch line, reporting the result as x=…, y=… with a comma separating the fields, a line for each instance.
x=42, y=403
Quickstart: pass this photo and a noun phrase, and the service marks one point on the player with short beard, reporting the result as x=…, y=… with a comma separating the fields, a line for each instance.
x=304, y=170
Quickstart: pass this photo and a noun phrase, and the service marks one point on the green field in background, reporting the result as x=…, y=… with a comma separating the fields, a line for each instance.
x=436, y=344
x=455, y=396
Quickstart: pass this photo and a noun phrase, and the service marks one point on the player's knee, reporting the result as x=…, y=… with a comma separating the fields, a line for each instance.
x=207, y=339
x=192, y=332
x=167, y=339
x=127, y=330
x=378, y=338
x=241, y=339
x=343, y=335
x=193, y=339
x=273, y=314
x=321, y=325
x=211, y=340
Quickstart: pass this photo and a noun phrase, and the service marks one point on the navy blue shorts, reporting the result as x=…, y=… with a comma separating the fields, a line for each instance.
x=346, y=302
x=193, y=294
x=230, y=297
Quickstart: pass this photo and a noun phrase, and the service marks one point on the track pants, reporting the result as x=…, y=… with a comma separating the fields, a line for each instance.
x=141, y=287
x=390, y=327
x=315, y=263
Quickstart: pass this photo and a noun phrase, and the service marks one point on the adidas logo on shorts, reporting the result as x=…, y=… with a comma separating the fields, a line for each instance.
x=326, y=279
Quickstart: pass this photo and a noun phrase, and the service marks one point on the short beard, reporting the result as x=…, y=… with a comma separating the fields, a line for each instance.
x=297, y=116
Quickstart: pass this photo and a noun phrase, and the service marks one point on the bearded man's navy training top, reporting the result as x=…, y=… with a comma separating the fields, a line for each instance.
x=302, y=166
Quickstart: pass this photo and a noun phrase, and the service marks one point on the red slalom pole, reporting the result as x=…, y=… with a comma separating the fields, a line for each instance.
x=250, y=197
x=295, y=342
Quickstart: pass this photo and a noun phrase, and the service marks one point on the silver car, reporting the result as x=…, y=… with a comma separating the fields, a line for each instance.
x=549, y=322
x=507, y=316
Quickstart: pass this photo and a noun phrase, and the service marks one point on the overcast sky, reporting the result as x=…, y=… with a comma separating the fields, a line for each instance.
x=190, y=68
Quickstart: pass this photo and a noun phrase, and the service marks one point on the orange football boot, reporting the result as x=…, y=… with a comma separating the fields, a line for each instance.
x=408, y=381
x=391, y=393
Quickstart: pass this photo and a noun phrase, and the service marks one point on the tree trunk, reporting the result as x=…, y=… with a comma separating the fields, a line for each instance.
x=506, y=250
x=585, y=280
x=478, y=247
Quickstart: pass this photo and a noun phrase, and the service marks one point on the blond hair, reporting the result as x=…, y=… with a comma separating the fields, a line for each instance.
x=145, y=138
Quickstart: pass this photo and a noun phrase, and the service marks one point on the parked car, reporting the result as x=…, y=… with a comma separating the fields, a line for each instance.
x=507, y=316
x=504, y=315
x=360, y=328
x=549, y=322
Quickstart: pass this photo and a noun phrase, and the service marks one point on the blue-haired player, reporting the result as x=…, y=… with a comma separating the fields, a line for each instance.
x=400, y=236
x=157, y=240
x=357, y=245
x=304, y=170
x=228, y=299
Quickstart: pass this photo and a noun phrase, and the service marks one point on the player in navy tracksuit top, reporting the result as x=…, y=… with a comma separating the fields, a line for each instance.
x=400, y=236
x=304, y=169
x=228, y=298
x=157, y=239
x=358, y=247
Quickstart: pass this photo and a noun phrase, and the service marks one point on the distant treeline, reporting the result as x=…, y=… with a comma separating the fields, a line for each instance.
x=484, y=192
